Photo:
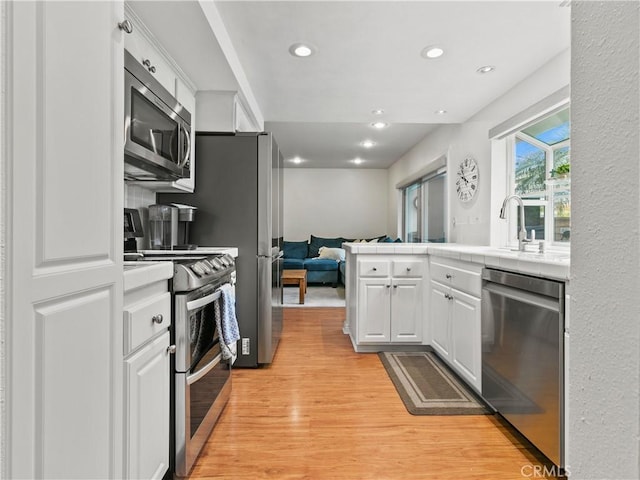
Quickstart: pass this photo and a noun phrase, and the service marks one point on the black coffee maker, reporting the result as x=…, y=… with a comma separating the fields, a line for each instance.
x=169, y=226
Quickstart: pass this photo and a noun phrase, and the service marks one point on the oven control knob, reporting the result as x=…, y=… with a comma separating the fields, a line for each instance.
x=216, y=263
x=197, y=269
x=205, y=267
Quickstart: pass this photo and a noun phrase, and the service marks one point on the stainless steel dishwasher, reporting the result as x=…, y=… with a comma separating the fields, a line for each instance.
x=523, y=356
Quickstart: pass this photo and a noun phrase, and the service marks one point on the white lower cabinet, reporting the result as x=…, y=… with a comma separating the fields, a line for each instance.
x=390, y=301
x=455, y=317
x=147, y=384
x=440, y=315
x=147, y=317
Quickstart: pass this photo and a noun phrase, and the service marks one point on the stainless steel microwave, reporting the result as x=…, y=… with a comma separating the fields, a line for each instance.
x=157, y=128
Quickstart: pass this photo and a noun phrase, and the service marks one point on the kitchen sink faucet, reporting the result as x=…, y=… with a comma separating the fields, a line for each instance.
x=522, y=233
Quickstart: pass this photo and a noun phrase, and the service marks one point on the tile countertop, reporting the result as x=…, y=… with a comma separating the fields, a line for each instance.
x=139, y=274
x=551, y=264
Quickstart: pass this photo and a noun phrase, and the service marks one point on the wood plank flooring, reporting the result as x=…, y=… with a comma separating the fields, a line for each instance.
x=322, y=411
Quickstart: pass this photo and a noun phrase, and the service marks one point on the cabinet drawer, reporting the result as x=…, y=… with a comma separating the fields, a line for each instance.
x=373, y=268
x=464, y=277
x=408, y=268
x=139, y=323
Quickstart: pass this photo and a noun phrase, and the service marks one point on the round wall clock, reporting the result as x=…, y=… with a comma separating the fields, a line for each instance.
x=467, y=179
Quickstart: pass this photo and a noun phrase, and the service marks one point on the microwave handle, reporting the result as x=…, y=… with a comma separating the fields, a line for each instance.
x=187, y=152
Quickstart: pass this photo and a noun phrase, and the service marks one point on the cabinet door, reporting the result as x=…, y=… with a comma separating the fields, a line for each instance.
x=63, y=63
x=439, y=315
x=143, y=50
x=465, y=337
x=147, y=410
x=373, y=316
x=406, y=310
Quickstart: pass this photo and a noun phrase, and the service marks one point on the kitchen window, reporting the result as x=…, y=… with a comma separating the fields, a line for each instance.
x=423, y=209
x=538, y=166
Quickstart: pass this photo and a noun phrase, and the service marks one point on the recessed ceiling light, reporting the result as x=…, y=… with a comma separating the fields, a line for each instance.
x=357, y=161
x=432, y=52
x=301, y=50
x=377, y=111
x=367, y=143
x=379, y=125
x=486, y=69
x=296, y=160
x=441, y=112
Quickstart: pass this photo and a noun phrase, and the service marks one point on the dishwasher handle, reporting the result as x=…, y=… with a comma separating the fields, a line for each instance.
x=521, y=296
x=535, y=285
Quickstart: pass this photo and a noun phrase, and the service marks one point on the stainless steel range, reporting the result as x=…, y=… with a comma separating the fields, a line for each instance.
x=201, y=377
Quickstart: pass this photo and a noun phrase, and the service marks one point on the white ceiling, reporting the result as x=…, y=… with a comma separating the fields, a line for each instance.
x=367, y=57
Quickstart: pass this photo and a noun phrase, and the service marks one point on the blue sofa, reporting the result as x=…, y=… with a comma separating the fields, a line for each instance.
x=305, y=255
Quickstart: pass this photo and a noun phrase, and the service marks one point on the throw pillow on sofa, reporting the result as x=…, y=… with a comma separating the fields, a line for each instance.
x=295, y=249
x=336, y=254
x=317, y=242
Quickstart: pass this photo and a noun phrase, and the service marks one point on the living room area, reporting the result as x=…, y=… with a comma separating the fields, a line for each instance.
x=324, y=207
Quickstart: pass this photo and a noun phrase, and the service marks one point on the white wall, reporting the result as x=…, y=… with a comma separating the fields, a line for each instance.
x=331, y=202
x=470, y=222
x=604, y=371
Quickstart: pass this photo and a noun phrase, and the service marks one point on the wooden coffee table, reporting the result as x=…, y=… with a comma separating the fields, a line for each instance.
x=296, y=277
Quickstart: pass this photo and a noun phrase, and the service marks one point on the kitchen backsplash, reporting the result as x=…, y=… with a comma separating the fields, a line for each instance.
x=139, y=197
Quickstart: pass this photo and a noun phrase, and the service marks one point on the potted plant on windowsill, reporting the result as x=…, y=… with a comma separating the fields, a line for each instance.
x=561, y=171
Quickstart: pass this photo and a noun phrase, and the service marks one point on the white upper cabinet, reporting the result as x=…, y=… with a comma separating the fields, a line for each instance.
x=64, y=163
x=143, y=50
x=223, y=111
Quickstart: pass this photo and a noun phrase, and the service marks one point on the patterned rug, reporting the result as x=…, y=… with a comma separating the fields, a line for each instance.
x=427, y=386
x=316, y=296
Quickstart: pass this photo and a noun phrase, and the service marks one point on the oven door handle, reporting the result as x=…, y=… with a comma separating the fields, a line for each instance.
x=204, y=370
x=201, y=302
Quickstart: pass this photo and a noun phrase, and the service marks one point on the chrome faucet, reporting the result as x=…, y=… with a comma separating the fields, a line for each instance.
x=522, y=233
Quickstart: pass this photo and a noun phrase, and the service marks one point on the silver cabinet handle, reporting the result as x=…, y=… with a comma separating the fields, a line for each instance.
x=395, y=286
x=448, y=275
x=157, y=318
x=388, y=286
x=126, y=26
x=375, y=269
x=408, y=269
x=147, y=63
x=171, y=349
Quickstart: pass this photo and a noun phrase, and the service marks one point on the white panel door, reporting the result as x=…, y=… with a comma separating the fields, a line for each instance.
x=465, y=337
x=64, y=158
x=374, y=325
x=147, y=381
x=406, y=310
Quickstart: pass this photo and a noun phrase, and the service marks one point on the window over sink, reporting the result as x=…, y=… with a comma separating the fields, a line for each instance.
x=538, y=166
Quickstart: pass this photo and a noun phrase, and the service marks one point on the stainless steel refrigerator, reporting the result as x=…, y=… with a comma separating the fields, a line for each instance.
x=238, y=194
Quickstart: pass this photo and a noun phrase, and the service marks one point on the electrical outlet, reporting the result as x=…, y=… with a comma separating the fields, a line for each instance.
x=246, y=346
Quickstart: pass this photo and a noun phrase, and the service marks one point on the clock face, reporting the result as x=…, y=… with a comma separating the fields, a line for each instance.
x=467, y=179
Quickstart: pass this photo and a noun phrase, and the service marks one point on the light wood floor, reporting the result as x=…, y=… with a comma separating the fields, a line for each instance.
x=322, y=411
